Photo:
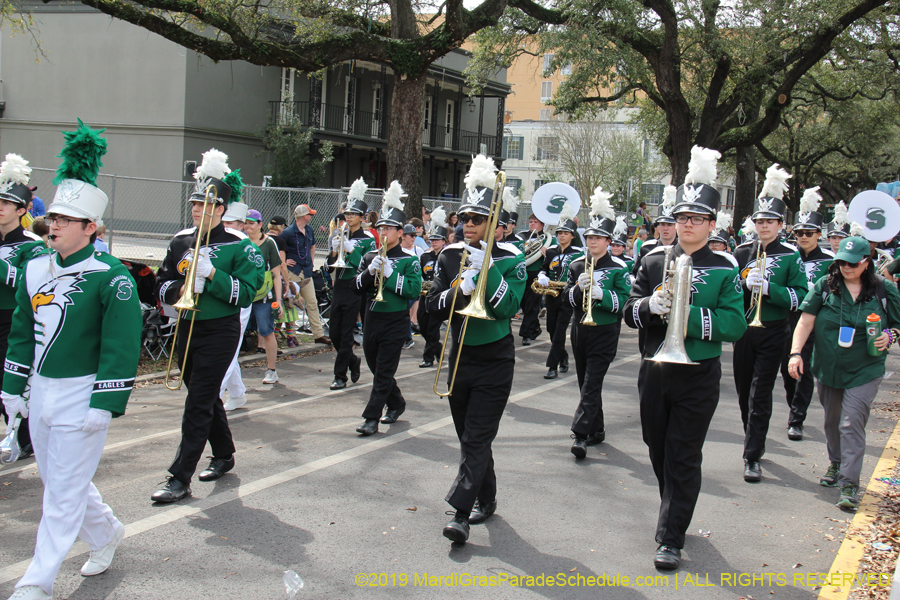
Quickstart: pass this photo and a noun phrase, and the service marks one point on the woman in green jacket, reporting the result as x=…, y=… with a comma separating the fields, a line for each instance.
x=848, y=376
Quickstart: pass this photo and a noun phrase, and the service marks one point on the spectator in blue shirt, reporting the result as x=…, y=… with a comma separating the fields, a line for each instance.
x=300, y=240
x=37, y=206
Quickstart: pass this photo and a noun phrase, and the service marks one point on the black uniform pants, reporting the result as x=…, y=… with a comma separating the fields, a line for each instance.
x=23, y=437
x=799, y=393
x=430, y=328
x=480, y=394
x=594, y=348
x=757, y=358
x=383, y=338
x=531, y=309
x=213, y=345
x=344, y=308
x=559, y=315
x=674, y=420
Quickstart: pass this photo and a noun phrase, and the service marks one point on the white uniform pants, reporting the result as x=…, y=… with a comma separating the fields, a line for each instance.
x=67, y=459
x=233, y=381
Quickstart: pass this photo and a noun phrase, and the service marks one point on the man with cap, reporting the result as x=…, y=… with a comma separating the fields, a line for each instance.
x=780, y=284
x=267, y=303
x=595, y=345
x=619, y=242
x=718, y=239
x=429, y=327
x=839, y=228
x=484, y=376
x=555, y=267
x=17, y=247
x=229, y=271
x=300, y=241
x=530, y=328
x=408, y=242
x=816, y=262
x=665, y=225
x=510, y=229
x=398, y=274
x=676, y=418
x=76, y=331
x=358, y=241
x=233, y=383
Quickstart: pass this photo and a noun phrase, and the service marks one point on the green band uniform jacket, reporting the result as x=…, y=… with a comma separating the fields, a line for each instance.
x=78, y=317
x=17, y=248
x=815, y=264
x=612, y=275
x=363, y=242
x=785, y=274
x=404, y=284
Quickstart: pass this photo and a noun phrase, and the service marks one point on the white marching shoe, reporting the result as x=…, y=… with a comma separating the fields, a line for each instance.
x=29, y=592
x=235, y=402
x=100, y=560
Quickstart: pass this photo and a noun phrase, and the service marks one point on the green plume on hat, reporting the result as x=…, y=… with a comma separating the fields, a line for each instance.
x=234, y=181
x=81, y=155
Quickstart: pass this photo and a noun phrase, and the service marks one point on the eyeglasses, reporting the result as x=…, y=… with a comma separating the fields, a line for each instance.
x=475, y=219
x=849, y=265
x=806, y=233
x=62, y=222
x=695, y=220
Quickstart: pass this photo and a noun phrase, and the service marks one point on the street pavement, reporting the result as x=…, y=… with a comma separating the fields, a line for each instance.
x=361, y=517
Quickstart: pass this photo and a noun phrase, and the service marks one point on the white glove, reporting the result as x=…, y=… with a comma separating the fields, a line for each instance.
x=755, y=280
x=199, y=283
x=596, y=292
x=96, y=420
x=14, y=405
x=204, y=265
x=375, y=266
x=584, y=281
x=660, y=303
x=335, y=244
x=543, y=280
x=476, y=257
x=467, y=285
x=348, y=246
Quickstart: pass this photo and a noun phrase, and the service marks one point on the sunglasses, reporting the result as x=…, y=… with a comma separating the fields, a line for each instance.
x=475, y=219
x=806, y=233
x=844, y=263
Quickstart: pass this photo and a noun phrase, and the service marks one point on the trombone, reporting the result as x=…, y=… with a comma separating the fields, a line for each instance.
x=587, y=296
x=756, y=294
x=476, y=307
x=189, y=298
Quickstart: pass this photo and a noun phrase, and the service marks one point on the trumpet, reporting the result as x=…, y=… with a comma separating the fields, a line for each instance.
x=677, y=279
x=379, y=297
x=756, y=294
x=587, y=296
x=553, y=288
x=476, y=307
x=339, y=263
x=189, y=298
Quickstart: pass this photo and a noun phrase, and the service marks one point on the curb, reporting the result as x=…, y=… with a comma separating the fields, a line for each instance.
x=853, y=547
x=298, y=352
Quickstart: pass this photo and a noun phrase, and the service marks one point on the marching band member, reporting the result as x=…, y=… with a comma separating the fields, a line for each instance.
x=431, y=328
x=839, y=228
x=595, y=345
x=485, y=372
x=387, y=322
x=229, y=272
x=512, y=219
x=559, y=313
x=530, y=329
x=780, y=285
x=665, y=225
x=620, y=241
x=816, y=263
x=345, y=302
x=17, y=247
x=718, y=239
x=676, y=418
x=77, y=331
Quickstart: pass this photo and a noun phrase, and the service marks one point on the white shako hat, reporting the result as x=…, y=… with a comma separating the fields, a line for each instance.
x=237, y=211
x=77, y=194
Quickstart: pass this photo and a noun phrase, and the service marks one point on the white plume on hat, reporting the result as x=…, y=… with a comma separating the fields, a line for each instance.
x=600, y=206
x=358, y=190
x=214, y=164
x=776, y=183
x=669, y=194
x=15, y=169
x=702, y=167
x=510, y=201
x=392, y=197
x=723, y=221
x=841, y=216
x=856, y=229
x=566, y=213
x=439, y=217
x=749, y=227
x=621, y=227
x=809, y=203
x=482, y=173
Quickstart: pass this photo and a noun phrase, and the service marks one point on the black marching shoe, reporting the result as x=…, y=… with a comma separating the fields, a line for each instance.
x=217, y=467
x=579, y=446
x=457, y=530
x=391, y=415
x=526, y=341
x=481, y=511
x=667, y=557
x=550, y=374
x=596, y=438
x=338, y=384
x=173, y=491
x=426, y=363
x=795, y=433
x=564, y=366
x=369, y=427
x=354, y=370
x=752, y=471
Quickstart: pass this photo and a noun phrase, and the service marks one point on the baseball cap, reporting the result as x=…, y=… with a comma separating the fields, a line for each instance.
x=278, y=220
x=409, y=229
x=253, y=215
x=302, y=210
x=853, y=249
